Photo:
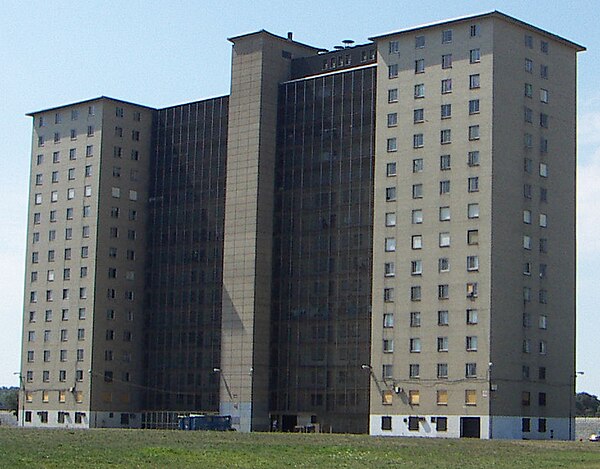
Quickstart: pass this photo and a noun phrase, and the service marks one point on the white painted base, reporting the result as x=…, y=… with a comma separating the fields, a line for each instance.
x=88, y=419
x=502, y=427
x=427, y=428
x=241, y=414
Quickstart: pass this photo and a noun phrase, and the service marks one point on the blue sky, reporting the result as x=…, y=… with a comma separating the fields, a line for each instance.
x=161, y=53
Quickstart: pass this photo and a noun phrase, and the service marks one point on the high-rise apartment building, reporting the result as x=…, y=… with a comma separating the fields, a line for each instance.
x=379, y=239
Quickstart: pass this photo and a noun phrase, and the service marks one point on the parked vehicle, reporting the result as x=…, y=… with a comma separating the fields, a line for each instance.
x=205, y=422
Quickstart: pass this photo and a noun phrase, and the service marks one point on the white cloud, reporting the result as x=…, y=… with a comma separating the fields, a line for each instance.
x=588, y=128
x=588, y=204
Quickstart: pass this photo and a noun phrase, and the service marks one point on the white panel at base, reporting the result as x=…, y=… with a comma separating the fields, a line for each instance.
x=502, y=427
x=241, y=414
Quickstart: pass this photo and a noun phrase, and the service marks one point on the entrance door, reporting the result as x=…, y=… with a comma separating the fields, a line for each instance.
x=470, y=427
x=288, y=423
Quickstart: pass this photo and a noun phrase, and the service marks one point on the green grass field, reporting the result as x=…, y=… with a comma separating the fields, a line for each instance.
x=174, y=449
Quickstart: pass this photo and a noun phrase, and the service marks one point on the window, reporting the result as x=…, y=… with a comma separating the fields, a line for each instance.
x=528, y=41
x=393, y=95
x=417, y=241
x=417, y=191
x=415, y=345
x=525, y=424
x=527, y=242
x=442, y=344
x=472, y=263
x=446, y=111
x=472, y=290
x=473, y=184
x=420, y=66
x=443, y=318
x=447, y=36
x=56, y=137
x=388, y=345
x=442, y=370
x=470, y=397
x=447, y=61
x=471, y=343
x=447, y=86
x=474, y=81
x=444, y=187
x=418, y=116
x=543, y=322
x=419, y=42
x=527, y=191
x=543, y=145
x=543, y=220
x=415, y=293
x=473, y=158
x=443, y=292
x=391, y=144
x=90, y=131
x=416, y=267
x=544, y=72
x=474, y=106
x=472, y=237
x=529, y=65
x=392, y=72
x=417, y=217
x=470, y=370
x=387, y=371
x=544, y=95
x=541, y=399
x=89, y=151
x=418, y=141
x=388, y=295
x=527, y=298
x=474, y=56
x=386, y=423
x=444, y=213
x=472, y=316
x=390, y=244
x=445, y=161
x=445, y=136
x=444, y=240
x=413, y=370
x=388, y=320
x=415, y=319
x=116, y=192
x=475, y=30
x=387, y=397
x=390, y=219
x=442, y=397
x=473, y=132
x=417, y=165
x=543, y=170
x=443, y=264
x=390, y=194
x=528, y=90
x=394, y=47
x=420, y=90
x=392, y=119
x=542, y=372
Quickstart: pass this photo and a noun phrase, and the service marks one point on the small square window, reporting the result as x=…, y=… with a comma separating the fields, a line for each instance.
x=418, y=116
x=393, y=95
x=447, y=36
x=420, y=66
x=474, y=81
